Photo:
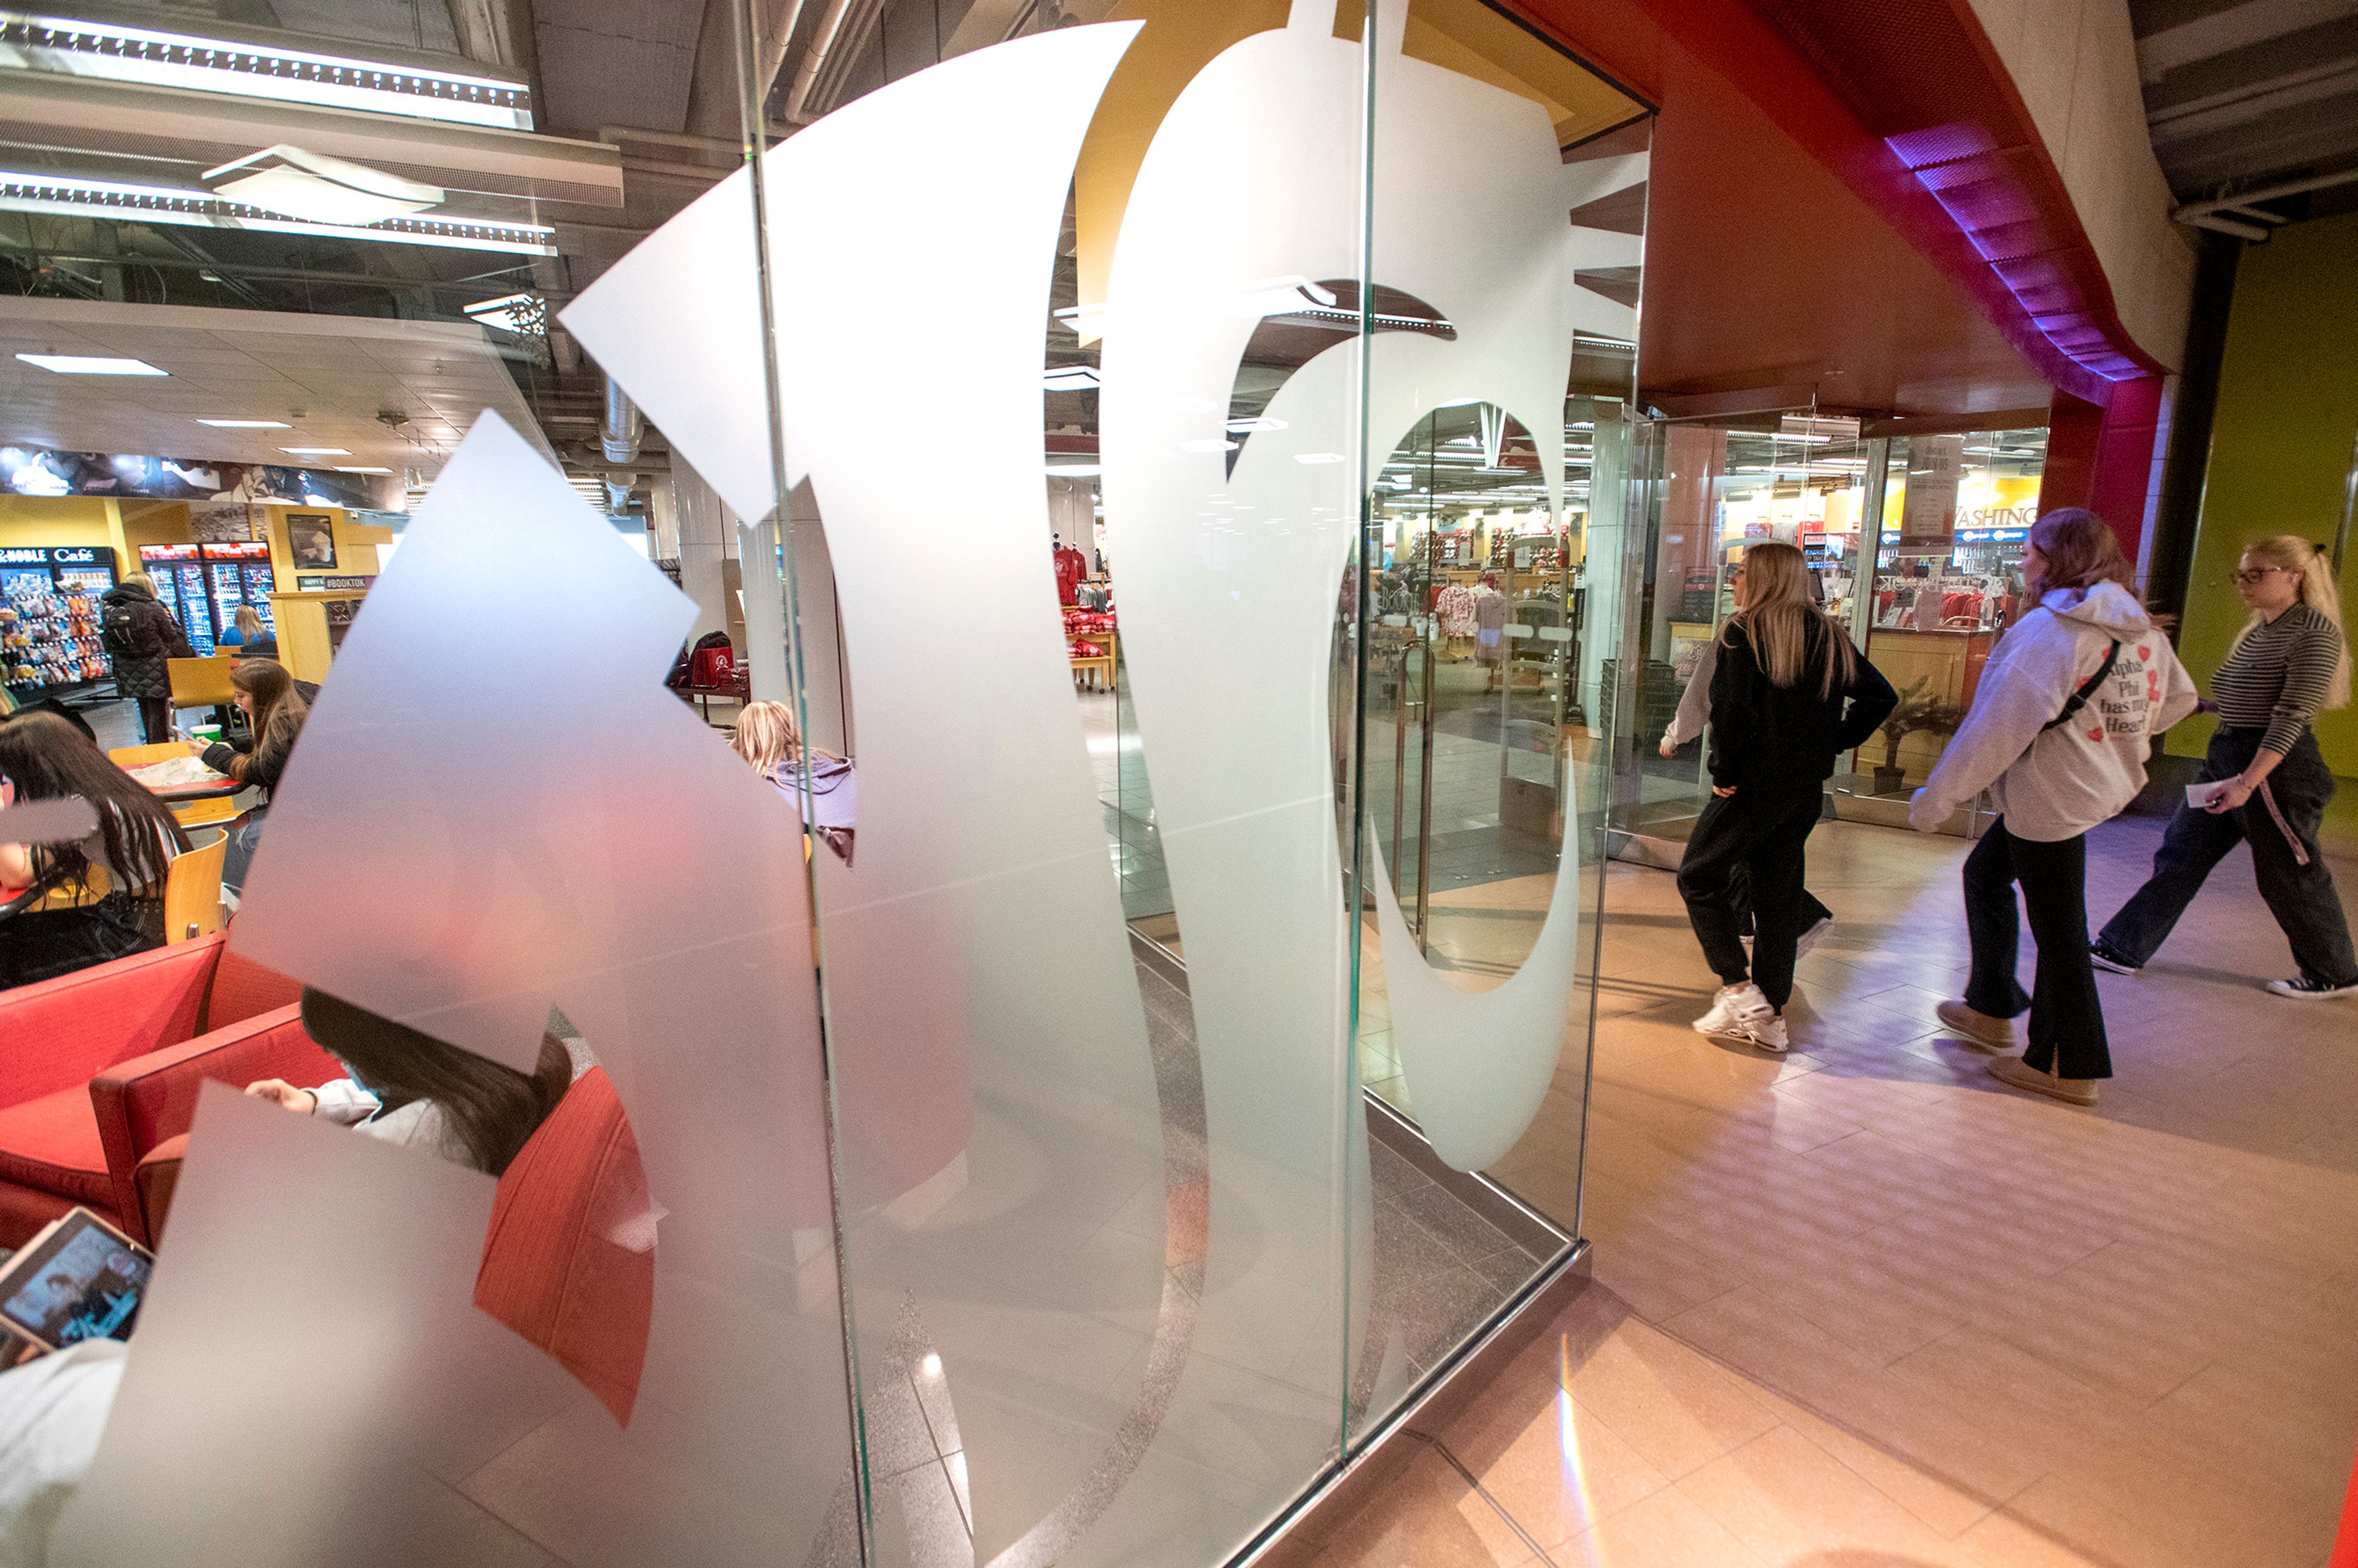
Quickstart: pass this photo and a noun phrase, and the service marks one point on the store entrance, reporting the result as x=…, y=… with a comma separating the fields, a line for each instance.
x=1914, y=540
x=1473, y=706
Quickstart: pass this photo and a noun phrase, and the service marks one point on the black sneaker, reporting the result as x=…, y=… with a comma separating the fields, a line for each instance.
x=2301, y=988
x=2105, y=958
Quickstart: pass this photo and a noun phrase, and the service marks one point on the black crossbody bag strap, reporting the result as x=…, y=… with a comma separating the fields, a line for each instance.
x=2079, y=699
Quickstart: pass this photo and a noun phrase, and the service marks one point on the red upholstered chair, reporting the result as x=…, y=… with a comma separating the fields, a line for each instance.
x=569, y=1262
x=60, y=1034
x=143, y=1103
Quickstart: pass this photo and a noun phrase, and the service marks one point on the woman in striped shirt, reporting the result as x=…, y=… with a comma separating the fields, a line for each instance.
x=2289, y=661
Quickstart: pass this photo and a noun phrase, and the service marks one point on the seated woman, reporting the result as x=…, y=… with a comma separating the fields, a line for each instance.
x=414, y=1090
x=248, y=638
x=275, y=704
x=825, y=783
x=421, y=1094
x=68, y=906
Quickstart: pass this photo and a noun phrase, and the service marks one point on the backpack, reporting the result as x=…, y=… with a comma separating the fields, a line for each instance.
x=117, y=630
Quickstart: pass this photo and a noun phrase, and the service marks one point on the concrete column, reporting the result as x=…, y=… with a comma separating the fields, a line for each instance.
x=706, y=533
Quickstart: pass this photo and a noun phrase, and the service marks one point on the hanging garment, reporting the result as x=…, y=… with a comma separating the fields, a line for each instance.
x=1455, y=609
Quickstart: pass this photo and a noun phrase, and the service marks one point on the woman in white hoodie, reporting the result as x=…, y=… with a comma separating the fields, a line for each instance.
x=2060, y=730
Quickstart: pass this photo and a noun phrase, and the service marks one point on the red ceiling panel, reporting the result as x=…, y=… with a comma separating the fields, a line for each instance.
x=1848, y=194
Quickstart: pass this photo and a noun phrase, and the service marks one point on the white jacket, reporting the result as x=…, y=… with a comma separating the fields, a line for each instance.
x=2057, y=784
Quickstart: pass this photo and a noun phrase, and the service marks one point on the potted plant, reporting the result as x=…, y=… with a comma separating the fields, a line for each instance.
x=1917, y=709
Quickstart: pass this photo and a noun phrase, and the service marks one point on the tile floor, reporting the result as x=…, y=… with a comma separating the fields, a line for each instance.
x=1863, y=1306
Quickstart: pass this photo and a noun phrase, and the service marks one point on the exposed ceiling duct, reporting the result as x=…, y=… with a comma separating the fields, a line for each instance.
x=623, y=427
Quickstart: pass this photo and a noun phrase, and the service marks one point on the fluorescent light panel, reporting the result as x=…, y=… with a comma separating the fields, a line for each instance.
x=248, y=424
x=315, y=451
x=22, y=192
x=74, y=47
x=91, y=364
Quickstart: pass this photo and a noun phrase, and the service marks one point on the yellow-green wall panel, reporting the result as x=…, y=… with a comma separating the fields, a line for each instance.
x=2281, y=445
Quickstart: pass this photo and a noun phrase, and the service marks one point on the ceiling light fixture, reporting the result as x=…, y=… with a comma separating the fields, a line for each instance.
x=1075, y=471
x=91, y=364
x=316, y=451
x=63, y=196
x=1070, y=378
x=318, y=188
x=248, y=424
x=74, y=45
x=341, y=469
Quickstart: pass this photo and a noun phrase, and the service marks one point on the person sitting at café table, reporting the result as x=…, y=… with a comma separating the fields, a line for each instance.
x=275, y=705
x=65, y=906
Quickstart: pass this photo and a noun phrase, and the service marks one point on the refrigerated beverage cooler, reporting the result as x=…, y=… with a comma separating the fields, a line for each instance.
x=48, y=618
x=239, y=574
x=179, y=574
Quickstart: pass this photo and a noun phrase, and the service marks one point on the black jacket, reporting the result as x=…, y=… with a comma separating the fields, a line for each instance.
x=255, y=759
x=139, y=635
x=1767, y=737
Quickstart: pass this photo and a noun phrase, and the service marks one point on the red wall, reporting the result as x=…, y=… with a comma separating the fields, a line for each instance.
x=2101, y=459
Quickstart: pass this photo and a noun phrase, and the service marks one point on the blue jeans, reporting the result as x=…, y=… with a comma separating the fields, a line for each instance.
x=2301, y=897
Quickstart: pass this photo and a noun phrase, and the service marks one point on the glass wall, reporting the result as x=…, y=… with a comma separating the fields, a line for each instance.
x=1915, y=542
x=1061, y=590
x=1948, y=582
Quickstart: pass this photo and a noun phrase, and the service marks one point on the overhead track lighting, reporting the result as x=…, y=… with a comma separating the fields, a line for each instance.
x=156, y=204
x=73, y=45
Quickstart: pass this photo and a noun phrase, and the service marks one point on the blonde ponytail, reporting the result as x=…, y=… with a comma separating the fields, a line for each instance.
x=2318, y=591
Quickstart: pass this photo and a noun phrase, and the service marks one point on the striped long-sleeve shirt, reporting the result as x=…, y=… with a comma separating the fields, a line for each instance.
x=2278, y=676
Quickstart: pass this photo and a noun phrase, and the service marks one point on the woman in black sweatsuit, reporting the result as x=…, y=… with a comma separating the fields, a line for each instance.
x=1790, y=694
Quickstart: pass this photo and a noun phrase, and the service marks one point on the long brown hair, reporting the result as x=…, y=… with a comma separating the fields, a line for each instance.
x=46, y=758
x=278, y=708
x=1781, y=615
x=493, y=1109
x=2318, y=591
x=2081, y=551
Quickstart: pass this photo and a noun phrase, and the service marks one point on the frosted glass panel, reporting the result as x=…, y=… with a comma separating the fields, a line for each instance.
x=461, y=865
x=1000, y=1135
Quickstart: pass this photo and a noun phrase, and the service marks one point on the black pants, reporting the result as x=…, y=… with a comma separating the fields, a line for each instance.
x=2302, y=898
x=2067, y=1020
x=1814, y=909
x=156, y=719
x=1762, y=832
x=40, y=945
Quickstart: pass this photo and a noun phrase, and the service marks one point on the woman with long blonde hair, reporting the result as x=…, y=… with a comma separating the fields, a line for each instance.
x=823, y=784
x=1787, y=696
x=2269, y=783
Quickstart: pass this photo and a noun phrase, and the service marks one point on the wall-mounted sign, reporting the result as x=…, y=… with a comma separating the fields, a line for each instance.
x=1929, y=509
x=333, y=584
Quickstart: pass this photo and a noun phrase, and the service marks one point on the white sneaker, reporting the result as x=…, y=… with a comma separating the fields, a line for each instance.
x=1767, y=1034
x=1733, y=1008
x=1813, y=935
x=2301, y=988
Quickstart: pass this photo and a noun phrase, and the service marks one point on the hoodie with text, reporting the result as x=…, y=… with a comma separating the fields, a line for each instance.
x=2057, y=784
